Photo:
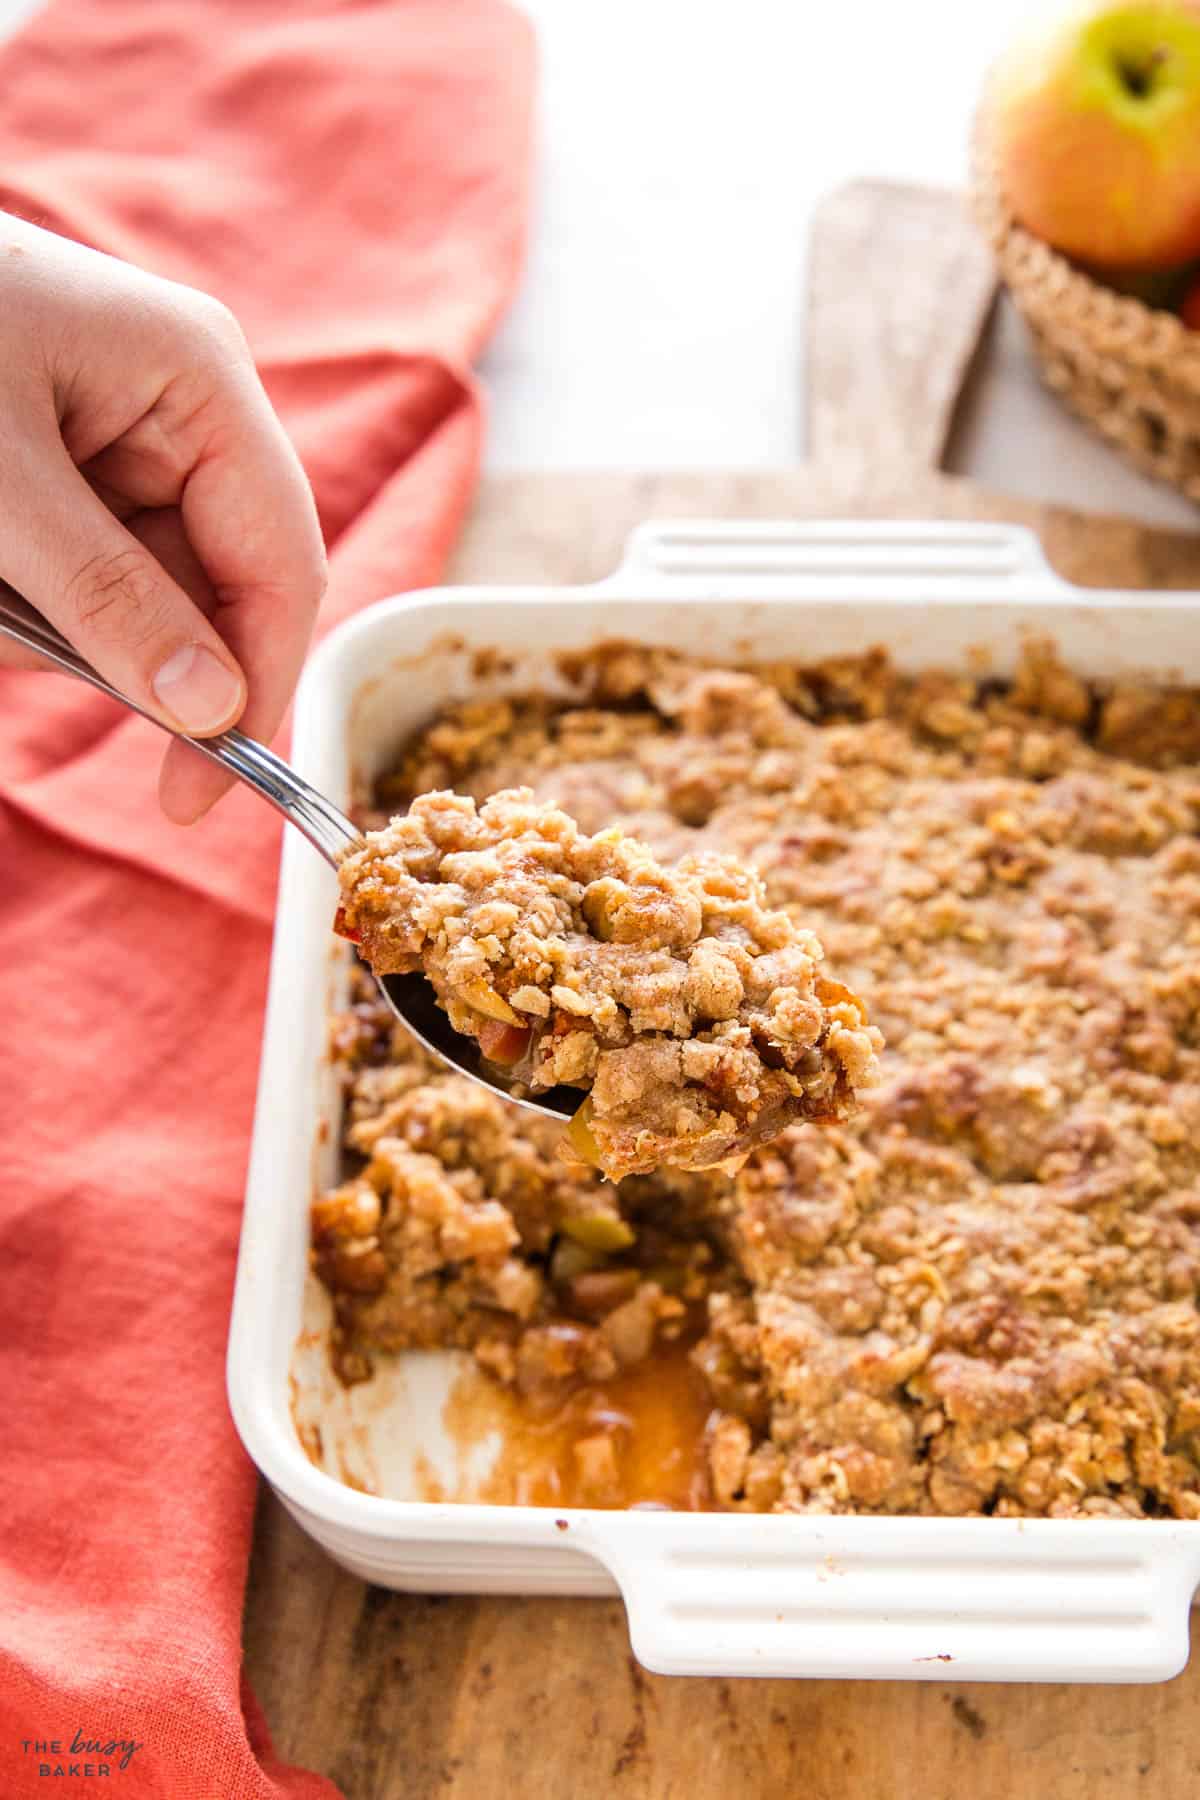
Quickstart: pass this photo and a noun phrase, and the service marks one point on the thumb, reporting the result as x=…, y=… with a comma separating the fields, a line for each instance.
x=70, y=557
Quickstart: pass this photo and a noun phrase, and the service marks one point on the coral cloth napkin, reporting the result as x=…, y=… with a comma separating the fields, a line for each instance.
x=350, y=176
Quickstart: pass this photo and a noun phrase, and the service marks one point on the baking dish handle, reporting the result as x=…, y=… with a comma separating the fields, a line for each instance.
x=904, y=1598
x=995, y=558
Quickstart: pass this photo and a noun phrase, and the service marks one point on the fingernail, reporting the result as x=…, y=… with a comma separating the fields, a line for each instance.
x=197, y=689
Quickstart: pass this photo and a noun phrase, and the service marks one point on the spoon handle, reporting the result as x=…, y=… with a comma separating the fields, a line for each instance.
x=327, y=829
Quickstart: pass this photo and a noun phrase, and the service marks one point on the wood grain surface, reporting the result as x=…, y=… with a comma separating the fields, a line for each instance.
x=406, y=1697
x=900, y=287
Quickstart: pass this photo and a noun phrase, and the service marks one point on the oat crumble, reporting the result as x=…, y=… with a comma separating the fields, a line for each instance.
x=979, y=1295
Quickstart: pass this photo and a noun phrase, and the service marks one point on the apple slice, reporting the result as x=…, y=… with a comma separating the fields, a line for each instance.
x=502, y=1043
x=343, y=930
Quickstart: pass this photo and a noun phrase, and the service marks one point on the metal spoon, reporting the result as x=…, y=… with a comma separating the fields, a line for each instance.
x=328, y=829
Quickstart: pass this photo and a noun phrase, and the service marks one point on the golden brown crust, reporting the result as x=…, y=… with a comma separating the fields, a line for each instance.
x=980, y=1295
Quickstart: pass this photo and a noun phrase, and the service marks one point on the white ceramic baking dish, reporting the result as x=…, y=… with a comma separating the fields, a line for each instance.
x=978, y=1599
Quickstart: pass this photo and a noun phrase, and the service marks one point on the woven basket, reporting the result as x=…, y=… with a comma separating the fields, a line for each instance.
x=1130, y=371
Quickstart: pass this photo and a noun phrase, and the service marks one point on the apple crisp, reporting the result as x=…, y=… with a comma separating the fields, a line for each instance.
x=979, y=1294
x=694, y=1016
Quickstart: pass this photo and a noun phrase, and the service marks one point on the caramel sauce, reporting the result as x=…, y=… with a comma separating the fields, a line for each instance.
x=653, y=1415
x=653, y=1418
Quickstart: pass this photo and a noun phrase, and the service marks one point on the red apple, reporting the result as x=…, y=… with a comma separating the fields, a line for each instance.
x=1189, y=306
x=1096, y=125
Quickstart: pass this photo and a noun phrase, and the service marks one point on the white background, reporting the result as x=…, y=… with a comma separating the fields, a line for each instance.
x=683, y=144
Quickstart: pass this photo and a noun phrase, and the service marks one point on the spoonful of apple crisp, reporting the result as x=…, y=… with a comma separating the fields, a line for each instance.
x=665, y=1011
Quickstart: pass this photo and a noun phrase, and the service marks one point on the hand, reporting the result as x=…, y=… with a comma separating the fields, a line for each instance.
x=150, y=504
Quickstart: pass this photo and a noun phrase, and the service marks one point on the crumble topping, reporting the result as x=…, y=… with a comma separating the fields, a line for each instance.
x=978, y=1295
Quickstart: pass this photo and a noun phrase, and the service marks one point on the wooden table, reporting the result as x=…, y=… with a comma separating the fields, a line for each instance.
x=403, y=1697
x=406, y=1697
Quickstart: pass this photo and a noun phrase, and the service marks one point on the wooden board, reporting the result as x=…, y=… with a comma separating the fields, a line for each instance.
x=900, y=288
x=404, y=1697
